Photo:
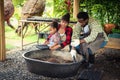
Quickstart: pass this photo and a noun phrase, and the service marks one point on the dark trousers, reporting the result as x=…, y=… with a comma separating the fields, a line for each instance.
x=89, y=56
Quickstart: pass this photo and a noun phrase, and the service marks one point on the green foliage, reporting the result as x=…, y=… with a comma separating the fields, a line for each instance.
x=9, y=46
x=107, y=11
x=18, y=2
x=116, y=31
x=59, y=8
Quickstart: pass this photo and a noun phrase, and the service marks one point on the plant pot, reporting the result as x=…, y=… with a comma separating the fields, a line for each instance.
x=108, y=27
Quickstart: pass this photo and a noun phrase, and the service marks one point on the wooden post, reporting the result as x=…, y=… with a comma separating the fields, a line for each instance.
x=2, y=32
x=75, y=8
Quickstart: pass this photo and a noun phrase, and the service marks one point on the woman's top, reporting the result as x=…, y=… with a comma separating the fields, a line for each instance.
x=66, y=37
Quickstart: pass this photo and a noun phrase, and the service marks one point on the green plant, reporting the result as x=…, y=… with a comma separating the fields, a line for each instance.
x=59, y=8
x=116, y=30
x=18, y=2
x=105, y=10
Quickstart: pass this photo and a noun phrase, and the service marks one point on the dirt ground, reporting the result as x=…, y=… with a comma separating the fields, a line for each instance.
x=107, y=61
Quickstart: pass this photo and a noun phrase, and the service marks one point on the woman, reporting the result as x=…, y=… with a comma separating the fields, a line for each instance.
x=65, y=32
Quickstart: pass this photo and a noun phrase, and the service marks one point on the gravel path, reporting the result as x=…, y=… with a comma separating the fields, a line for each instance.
x=14, y=68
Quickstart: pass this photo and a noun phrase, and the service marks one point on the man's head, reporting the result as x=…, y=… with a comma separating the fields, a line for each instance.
x=83, y=18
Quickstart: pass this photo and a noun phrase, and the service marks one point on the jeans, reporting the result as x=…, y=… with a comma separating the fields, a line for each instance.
x=103, y=44
x=91, y=57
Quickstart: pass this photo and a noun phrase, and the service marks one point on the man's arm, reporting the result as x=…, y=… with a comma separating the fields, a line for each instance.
x=95, y=29
x=76, y=31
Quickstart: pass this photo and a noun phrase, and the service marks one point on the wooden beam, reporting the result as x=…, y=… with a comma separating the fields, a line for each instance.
x=76, y=7
x=2, y=32
x=113, y=43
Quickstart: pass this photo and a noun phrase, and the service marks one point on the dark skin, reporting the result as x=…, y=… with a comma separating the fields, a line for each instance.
x=82, y=23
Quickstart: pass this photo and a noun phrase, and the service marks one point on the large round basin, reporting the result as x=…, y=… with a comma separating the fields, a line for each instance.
x=51, y=69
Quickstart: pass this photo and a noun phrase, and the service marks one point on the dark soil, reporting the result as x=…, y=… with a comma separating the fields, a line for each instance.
x=54, y=60
x=108, y=64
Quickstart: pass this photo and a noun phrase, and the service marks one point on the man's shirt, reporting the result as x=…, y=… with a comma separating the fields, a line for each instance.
x=95, y=29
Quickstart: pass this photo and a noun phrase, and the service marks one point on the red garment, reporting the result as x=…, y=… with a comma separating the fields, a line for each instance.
x=68, y=33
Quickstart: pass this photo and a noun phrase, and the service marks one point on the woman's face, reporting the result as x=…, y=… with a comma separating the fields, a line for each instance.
x=64, y=23
x=52, y=30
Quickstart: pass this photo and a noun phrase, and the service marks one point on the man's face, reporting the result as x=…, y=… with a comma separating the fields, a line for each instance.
x=83, y=22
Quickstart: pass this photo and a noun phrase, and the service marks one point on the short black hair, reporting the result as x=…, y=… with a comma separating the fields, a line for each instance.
x=82, y=15
x=54, y=24
x=66, y=17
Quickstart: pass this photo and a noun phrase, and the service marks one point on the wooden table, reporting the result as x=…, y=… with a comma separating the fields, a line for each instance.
x=36, y=20
x=113, y=43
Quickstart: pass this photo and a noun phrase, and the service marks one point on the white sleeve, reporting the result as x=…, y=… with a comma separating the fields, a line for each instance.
x=86, y=29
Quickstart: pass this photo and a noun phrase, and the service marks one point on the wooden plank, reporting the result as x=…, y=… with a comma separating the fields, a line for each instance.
x=113, y=43
x=76, y=7
x=2, y=32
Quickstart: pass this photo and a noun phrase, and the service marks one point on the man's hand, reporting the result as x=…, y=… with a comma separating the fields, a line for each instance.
x=75, y=42
x=82, y=41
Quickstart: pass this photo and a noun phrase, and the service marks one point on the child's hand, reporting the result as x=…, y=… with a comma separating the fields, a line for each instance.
x=46, y=42
x=55, y=47
x=52, y=48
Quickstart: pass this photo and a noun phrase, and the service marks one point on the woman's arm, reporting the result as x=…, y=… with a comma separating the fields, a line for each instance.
x=68, y=32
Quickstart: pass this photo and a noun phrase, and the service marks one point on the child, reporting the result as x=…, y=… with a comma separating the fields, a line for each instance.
x=54, y=37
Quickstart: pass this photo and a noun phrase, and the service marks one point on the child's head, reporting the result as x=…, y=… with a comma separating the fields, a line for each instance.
x=53, y=27
x=83, y=18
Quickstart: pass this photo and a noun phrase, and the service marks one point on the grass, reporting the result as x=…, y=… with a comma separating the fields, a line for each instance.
x=13, y=40
x=9, y=46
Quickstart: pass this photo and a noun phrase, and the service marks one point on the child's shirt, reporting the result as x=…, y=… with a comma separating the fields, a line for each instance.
x=54, y=38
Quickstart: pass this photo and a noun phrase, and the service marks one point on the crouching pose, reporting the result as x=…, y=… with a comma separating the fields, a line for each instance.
x=93, y=37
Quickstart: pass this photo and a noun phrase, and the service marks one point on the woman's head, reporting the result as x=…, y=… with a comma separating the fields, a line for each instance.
x=83, y=18
x=65, y=19
x=53, y=27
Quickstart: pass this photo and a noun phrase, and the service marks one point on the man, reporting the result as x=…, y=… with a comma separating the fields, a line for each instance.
x=95, y=40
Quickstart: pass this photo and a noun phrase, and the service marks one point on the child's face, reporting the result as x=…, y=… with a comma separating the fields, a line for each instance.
x=52, y=30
